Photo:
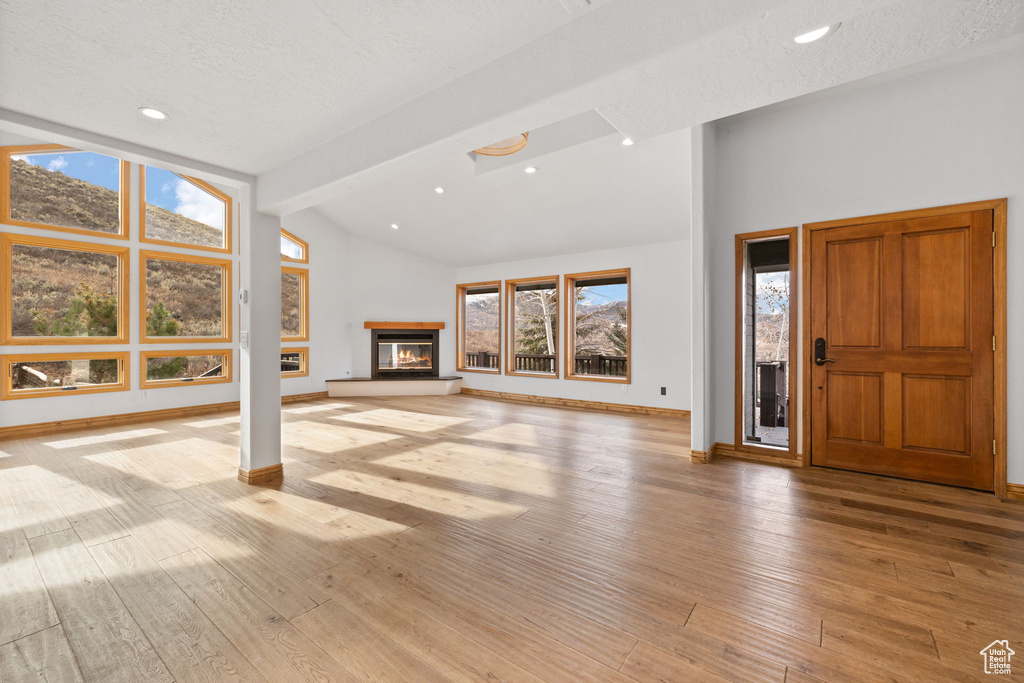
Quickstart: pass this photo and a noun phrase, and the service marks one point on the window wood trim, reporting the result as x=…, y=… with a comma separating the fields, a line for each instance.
x=791, y=369
x=225, y=378
x=304, y=365
x=460, y=326
x=5, y=192
x=7, y=392
x=123, y=254
x=301, y=243
x=227, y=291
x=510, y=344
x=202, y=185
x=303, y=274
x=569, y=294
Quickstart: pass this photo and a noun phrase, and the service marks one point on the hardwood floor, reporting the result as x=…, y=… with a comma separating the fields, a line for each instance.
x=458, y=538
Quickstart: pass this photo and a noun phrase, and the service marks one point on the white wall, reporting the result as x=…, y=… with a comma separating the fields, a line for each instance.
x=330, y=348
x=948, y=135
x=660, y=338
x=392, y=285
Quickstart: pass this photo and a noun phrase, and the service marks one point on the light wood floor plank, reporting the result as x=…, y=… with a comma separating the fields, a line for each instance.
x=188, y=642
x=458, y=538
x=267, y=639
x=44, y=656
x=152, y=531
x=25, y=605
x=108, y=643
x=266, y=576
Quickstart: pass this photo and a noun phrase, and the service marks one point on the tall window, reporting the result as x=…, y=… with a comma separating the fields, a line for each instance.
x=765, y=263
x=185, y=298
x=478, y=333
x=294, y=304
x=62, y=374
x=533, y=327
x=61, y=188
x=63, y=292
x=185, y=211
x=293, y=249
x=179, y=368
x=598, y=335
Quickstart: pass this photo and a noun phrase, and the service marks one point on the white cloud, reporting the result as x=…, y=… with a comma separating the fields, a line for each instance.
x=58, y=164
x=21, y=157
x=198, y=205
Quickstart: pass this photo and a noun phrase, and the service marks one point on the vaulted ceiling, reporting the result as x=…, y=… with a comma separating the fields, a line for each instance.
x=354, y=107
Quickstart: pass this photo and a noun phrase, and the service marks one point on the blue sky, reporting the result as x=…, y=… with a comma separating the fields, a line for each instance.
x=163, y=188
x=603, y=294
x=88, y=166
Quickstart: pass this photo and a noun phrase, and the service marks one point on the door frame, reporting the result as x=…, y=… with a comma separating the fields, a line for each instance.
x=793, y=416
x=998, y=208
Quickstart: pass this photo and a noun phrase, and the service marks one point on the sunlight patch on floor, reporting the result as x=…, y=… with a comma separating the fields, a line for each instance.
x=401, y=419
x=321, y=438
x=506, y=478
x=319, y=408
x=217, y=422
x=104, y=438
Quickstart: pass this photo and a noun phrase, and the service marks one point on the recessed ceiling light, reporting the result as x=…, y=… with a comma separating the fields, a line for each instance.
x=816, y=34
x=627, y=141
x=394, y=226
x=153, y=113
x=439, y=189
x=530, y=169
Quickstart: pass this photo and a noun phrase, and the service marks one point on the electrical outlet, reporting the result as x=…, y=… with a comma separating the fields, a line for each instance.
x=663, y=391
x=244, y=342
x=625, y=388
x=145, y=394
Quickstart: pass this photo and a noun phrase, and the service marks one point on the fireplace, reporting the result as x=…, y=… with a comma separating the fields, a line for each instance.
x=403, y=354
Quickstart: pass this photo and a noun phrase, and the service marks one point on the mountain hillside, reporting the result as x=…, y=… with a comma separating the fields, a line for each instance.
x=43, y=196
x=44, y=280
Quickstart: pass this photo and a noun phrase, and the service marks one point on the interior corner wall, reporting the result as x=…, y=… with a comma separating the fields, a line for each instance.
x=387, y=284
x=330, y=326
x=943, y=136
x=659, y=340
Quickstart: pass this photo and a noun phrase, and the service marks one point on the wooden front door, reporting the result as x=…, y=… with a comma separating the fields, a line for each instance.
x=905, y=309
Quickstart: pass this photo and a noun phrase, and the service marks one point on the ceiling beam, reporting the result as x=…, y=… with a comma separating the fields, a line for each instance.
x=649, y=67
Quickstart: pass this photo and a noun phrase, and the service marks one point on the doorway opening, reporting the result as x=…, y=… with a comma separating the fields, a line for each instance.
x=765, y=327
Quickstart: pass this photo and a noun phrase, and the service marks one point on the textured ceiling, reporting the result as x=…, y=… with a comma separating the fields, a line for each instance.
x=649, y=67
x=361, y=107
x=247, y=83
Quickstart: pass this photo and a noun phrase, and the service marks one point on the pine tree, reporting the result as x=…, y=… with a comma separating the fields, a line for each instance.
x=618, y=335
x=168, y=369
x=159, y=322
x=89, y=314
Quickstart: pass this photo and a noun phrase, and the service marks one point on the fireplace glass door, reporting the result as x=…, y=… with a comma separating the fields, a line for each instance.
x=399, y=355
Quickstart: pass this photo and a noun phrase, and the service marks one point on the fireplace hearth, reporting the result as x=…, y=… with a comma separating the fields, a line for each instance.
x=403, y=353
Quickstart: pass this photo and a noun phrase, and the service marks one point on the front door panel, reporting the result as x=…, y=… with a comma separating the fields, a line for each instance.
x=906, y=311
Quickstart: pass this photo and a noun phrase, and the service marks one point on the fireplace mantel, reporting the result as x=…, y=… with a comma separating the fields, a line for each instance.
x=380, y=325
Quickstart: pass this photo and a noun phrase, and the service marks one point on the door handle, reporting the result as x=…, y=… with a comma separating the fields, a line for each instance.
x=819, y=352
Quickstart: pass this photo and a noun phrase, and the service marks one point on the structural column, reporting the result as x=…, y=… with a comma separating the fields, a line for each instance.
x=703, y=197
x=260, y=342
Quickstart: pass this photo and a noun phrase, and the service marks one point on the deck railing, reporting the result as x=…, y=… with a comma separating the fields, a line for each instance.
x=483, y=359
x=594, y=364
x=597, y=364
